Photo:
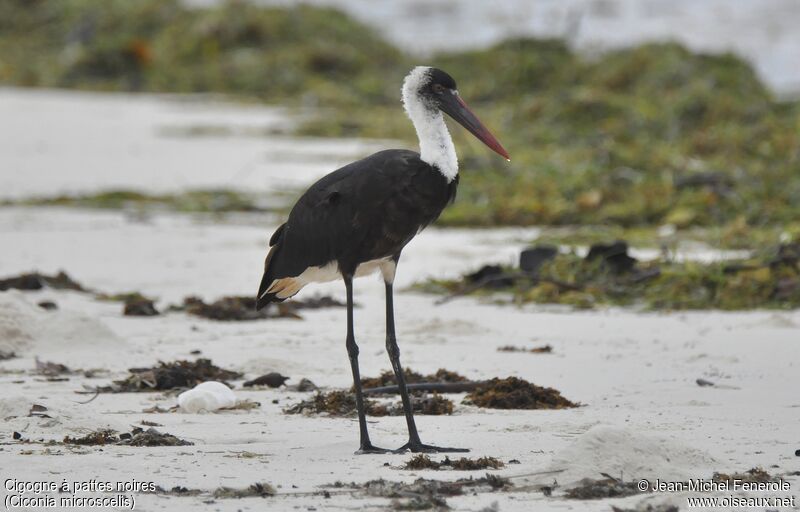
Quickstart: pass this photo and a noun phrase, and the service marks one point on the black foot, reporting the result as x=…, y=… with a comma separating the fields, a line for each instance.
x=368, y=449
x=419, y=447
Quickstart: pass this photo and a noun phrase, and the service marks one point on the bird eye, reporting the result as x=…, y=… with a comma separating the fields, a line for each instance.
x=438, y=88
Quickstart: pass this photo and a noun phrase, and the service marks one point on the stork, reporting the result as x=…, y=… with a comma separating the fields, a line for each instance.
x=357, y=220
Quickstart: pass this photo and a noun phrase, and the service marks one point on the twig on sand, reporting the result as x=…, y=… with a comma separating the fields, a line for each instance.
x=96, y=393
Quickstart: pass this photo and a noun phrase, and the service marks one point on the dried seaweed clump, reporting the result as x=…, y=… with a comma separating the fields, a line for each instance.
x=37, y=281
x=422, y=461
x=151, y=437
x=177, y=374
x=343, y=403
x=336, y=403
x=386, y=378
x=753, y=475
x=242, y=308
x=257, y=489
x=588, y=489
x=426, y=494
x=98, y=437
x=226, y=309
x=430, y=405
x=515, y=393
x=137, y=437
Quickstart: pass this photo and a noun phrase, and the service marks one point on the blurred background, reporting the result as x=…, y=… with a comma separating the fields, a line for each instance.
x=663, y=123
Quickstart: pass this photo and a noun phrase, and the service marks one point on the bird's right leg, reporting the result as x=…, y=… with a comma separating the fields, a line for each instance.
x=352, y=351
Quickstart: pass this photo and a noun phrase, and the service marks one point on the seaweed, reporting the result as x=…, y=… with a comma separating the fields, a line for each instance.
x=151, y=437
x=176, y=374
x=343, y=403
x=37, y=281
x=258, y=489
x=753, y=475
x=608, y=487
x=137, y=437
x=516, y=393
x=387, y=378
x=336, y=403
x=243, y=308
x=98, y=437
x=768, y=279
x=422, y=461
x=139, y=306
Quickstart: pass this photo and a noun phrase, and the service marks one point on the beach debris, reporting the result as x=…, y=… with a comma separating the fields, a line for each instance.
x=226, y=309
x=47, y=305
x=423, y=494
x=516, y=393
x=343, y=403
x=423, y=461
x=429, y=405
x=387, y=378
x=176, y=374
x=139, y=306
x=769, y=278
x=544, y=349
x=704, y=383
x=614, y=255
x=258, y=489
x=37, y=281
x=607, y=487
x=207, y=396
x=6, y=355
x=336, y=403
x=152, y=437
x=136, y=437
x=272, y=380
x=98, y=437
x=490, y=276
x=753, y=475
x=243, y=405
x=243, y=308
x=50, y=369
x=303, y=386
x=178, y=490
x=532, y=258
x=38, y=411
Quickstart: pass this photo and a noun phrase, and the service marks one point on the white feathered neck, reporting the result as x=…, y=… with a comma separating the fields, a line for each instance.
x=435, y=144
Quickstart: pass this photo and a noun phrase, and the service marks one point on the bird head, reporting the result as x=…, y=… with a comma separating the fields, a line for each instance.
x=436, y=91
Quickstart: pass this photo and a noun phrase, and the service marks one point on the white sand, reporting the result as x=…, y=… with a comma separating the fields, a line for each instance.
x=635, y=372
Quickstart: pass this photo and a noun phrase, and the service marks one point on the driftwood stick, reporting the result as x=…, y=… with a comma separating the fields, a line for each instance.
x=444, y=387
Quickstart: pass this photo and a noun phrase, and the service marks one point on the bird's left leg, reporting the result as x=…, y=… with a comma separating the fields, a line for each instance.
x=366, y=445
x=414, y=443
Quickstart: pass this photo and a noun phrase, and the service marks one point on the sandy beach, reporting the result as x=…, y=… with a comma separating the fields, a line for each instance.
x=642, y=413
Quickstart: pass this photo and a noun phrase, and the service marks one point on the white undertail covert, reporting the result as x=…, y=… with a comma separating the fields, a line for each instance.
x=435, y=144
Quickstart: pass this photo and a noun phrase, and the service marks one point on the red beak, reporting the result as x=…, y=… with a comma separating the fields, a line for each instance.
x=455, y=107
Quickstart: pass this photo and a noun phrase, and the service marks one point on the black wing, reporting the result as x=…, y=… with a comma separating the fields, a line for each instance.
x=366, y=210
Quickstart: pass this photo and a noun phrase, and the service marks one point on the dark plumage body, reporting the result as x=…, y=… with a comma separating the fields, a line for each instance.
x=367, y=210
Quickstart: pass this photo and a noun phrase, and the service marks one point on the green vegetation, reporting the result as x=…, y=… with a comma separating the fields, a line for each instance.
x=640, y=137
x=201, y=200
x=769, y=280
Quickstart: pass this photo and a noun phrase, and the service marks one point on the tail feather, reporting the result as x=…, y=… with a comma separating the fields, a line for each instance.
x=266, y=294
